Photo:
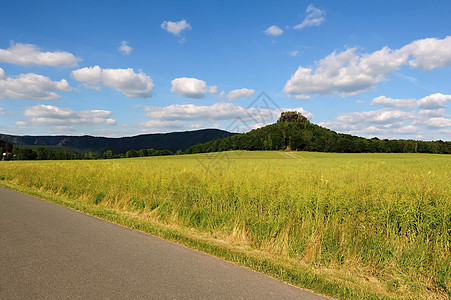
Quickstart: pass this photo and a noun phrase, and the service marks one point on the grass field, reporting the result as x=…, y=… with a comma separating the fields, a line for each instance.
x=346, y=225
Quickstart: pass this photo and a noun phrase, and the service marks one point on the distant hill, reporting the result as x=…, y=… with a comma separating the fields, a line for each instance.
x=172, y=141
x=294, y=132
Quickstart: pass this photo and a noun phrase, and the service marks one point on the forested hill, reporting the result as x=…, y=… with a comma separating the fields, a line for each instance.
x=294, y=131
x=171, y=141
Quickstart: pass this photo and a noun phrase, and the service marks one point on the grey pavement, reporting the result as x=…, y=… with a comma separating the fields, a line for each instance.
x=48, y=251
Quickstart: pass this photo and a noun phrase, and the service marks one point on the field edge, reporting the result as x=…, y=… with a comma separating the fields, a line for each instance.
x=300, y=277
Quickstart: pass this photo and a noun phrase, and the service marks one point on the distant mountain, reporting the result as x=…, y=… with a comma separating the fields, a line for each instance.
x=294, y=132
x=172, y=141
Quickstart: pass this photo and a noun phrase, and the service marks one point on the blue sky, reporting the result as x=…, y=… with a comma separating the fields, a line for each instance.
x=121, y=68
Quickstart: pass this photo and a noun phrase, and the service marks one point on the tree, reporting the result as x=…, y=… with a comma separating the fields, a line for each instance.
x=41, y=153
x=107, y=154
x=90, y=155
x=131, y=153
x=142, y=153
x=291, y=116
x=25, y=154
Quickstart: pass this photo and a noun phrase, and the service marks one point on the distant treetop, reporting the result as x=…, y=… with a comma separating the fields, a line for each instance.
x=292, y=116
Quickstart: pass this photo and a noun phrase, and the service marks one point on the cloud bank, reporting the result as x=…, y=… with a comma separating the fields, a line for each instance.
x=126, y=81
x=348, y=73
x=192, y=87
x=29, y=54
x=398, y=116
x=31, y=86
x=48, y=115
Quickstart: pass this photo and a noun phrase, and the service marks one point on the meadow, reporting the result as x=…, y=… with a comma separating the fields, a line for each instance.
x=345, y=225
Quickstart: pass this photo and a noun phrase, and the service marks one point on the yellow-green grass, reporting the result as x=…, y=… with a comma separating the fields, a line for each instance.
x=345, y=225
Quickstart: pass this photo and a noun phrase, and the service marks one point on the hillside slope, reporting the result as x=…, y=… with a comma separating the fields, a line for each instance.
x=299, y=134
x=172, y=141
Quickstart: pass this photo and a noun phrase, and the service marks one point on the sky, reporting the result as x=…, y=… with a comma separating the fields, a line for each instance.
x=123, y=68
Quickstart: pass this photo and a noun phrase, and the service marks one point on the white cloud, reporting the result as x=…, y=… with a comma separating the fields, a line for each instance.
x=189, y=116
x=112, y=132
x=197, y=125
x=432, y=112
x=235, y=94
x=408, y=129
x=163, y=125
x=217, y=112
x=383, y=121
x=382, y=116
x=397, y=103
x=343, y=73
x=48, y=115
x=422, y=116
x=349, y=73
x=274, y=31
x=29, y=54
x=429, y=53
x=302, y=97
x=293, y=53
x=31, y=86
x=126, y=81
x=3, y=111
x=125, y=48
x=445, y=131
x=175, y=27
x=438, y=122
x=434, y=101
x=191, y=87
x=315, y=17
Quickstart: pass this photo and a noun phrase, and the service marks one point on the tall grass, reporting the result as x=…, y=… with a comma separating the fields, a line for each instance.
x=380, y=220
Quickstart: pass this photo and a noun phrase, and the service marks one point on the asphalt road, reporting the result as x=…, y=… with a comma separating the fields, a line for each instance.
x=53, y=252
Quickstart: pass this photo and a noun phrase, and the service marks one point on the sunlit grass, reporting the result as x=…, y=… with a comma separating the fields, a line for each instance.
x=372, y=221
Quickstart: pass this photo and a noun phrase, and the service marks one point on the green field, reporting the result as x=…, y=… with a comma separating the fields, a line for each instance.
x=345, y=225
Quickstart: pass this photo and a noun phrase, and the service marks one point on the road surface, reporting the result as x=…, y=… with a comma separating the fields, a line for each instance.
x=50, y=251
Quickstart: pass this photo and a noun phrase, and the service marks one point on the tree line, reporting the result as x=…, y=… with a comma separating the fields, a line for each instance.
x=10, y=152
x=301, y=135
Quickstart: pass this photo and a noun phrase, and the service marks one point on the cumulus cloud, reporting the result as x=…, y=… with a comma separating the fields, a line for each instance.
x=29, y=54
x=398, y=103
x=192, y=87
x=215, y=112
x=429, y=53
x=434, y=101
x=48, y=115
x=125, y=48
x=239, y=93
x=314, y=17
x=31, y=86
x=422, y=115
x=432, y=112
x=126, y=81
x=273, y=31
x=163, y=125
x=188, y=116
x=175, y=27
x=344, y=73
x=349, y=73
x=438, y=122
x=383, y=116
x=384, y=121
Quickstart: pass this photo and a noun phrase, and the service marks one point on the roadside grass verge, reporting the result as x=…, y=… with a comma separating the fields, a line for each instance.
x=350, y=226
